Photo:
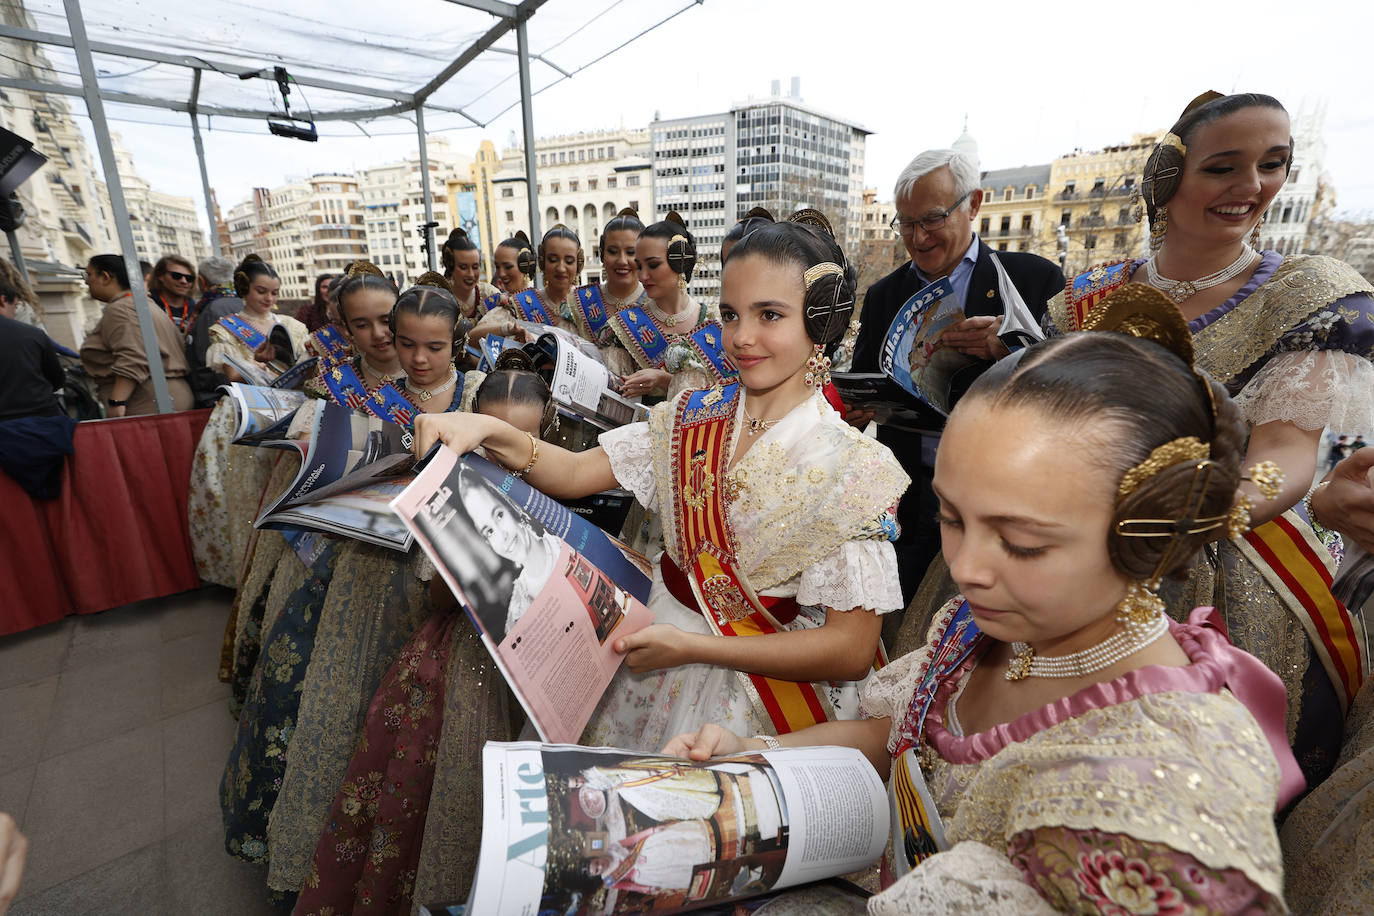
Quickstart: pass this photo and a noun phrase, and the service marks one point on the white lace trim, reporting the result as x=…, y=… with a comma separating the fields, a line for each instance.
x=856, y=574
x=630, y=451
x=971, y=879
x=1312, y=389
x=424, y=567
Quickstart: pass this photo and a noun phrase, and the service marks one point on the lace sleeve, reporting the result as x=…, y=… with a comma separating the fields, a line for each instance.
x=221, y=345
x=973, y=880
x=1088, y=871
x=630, y=450
x=1312, y=389
x=856, y=574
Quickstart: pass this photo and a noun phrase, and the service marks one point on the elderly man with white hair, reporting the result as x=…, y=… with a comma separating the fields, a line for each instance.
x=937, y=200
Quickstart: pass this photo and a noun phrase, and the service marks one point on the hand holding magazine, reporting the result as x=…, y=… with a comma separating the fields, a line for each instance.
x=576, y=830
x=548, y=591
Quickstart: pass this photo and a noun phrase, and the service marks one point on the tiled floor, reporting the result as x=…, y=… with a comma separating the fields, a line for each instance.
x=113, y=734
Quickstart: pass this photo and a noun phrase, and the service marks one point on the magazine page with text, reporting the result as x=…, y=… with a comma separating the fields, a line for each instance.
x=549, y=592
x=583, y=831
x=584, y=386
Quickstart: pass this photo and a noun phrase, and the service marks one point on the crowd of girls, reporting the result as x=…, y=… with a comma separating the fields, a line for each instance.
x=1113, y=702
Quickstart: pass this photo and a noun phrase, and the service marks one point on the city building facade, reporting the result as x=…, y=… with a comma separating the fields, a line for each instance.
x=393, y=210
x=162, y=224
x=582, y=180
x=1287, y=225
x=1012, y=216
x=248, y=227
x=777, y=153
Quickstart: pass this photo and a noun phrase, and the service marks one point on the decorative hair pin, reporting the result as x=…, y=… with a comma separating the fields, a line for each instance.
x=823, y=269
x=1175, y=451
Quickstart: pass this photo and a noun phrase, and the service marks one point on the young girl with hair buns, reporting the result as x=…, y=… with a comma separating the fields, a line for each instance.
x=1078, y=750
x=776, y=514
x=463, y=270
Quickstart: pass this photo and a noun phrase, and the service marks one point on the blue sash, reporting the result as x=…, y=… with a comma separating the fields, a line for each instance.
x=491, y=301
x=956, y=642
x=646, y=340
x=709, y=343
x=251, y=337
x=530, y=307
x=592, y=308
x=345, y=385
x=332, y=346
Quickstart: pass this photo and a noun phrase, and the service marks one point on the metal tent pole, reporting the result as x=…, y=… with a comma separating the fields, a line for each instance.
x=204, y=174
x=522, y=45
x=424, y=183
x=96, y=108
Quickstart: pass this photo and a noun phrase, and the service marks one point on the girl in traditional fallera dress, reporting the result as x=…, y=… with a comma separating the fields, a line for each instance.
x=365, y=299
x=1061, y=742
x=596, y=304
x=672, y=341
x=375, y=601
x=439, y=703
x=227, y=482
x=1291, y=337
x=778, y=561
x=513, y=268
x=463, y=270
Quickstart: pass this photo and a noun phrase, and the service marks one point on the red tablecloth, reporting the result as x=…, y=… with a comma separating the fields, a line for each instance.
x=117, y=534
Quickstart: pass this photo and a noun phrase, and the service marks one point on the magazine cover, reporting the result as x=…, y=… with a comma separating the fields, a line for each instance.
x=356, y=464
x=892, y=405
x=548, y=591
x=913, y=354
x=583, y=385
x=581, y=831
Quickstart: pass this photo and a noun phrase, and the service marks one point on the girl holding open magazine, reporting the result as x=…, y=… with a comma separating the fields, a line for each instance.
x=1061, y=744
x=777, y=514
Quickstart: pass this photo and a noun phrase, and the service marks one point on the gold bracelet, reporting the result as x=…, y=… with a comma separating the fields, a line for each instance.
x=534, y=456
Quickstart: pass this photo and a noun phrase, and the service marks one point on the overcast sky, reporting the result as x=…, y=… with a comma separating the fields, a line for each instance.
x=1035, y=80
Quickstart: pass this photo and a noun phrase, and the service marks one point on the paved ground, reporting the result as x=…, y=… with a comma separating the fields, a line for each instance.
x=113, y=733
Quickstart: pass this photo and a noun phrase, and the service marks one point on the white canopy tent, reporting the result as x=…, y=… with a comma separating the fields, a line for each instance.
x=447, y=63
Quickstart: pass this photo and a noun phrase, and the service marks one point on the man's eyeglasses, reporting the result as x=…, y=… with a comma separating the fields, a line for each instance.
x=905, y=225
x=177, y=275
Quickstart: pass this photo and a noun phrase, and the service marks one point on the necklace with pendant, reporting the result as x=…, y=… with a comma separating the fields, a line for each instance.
x=753, y=425
x=1121, y=644
x=424, y=394
x=384, y=377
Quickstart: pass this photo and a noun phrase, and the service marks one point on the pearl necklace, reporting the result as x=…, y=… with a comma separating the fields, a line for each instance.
x=1121, y=644
x=385, y=377
x=424, y=394
x=1182, y=290
x=670, y=320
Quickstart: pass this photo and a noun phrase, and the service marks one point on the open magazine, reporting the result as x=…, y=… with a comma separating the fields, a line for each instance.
x=928, y=375
x=581, y=384
x=262, y=414
x=579, y=831
x=273, y=375
x=548, y=592
x=354, y=466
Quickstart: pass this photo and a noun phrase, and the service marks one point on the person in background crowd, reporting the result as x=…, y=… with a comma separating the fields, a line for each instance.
x=147, y=268
x=619, y=289
x=315, y=313
x=514, y=264
x=173, y=280
x=1358, y=444
x=217, y=299
x=29, y=369
x=27, y=305
x=257, y=284
x=35, y=435
x=1340, y=448
x=937, y=201
x=113, y=352
x=463, y=270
